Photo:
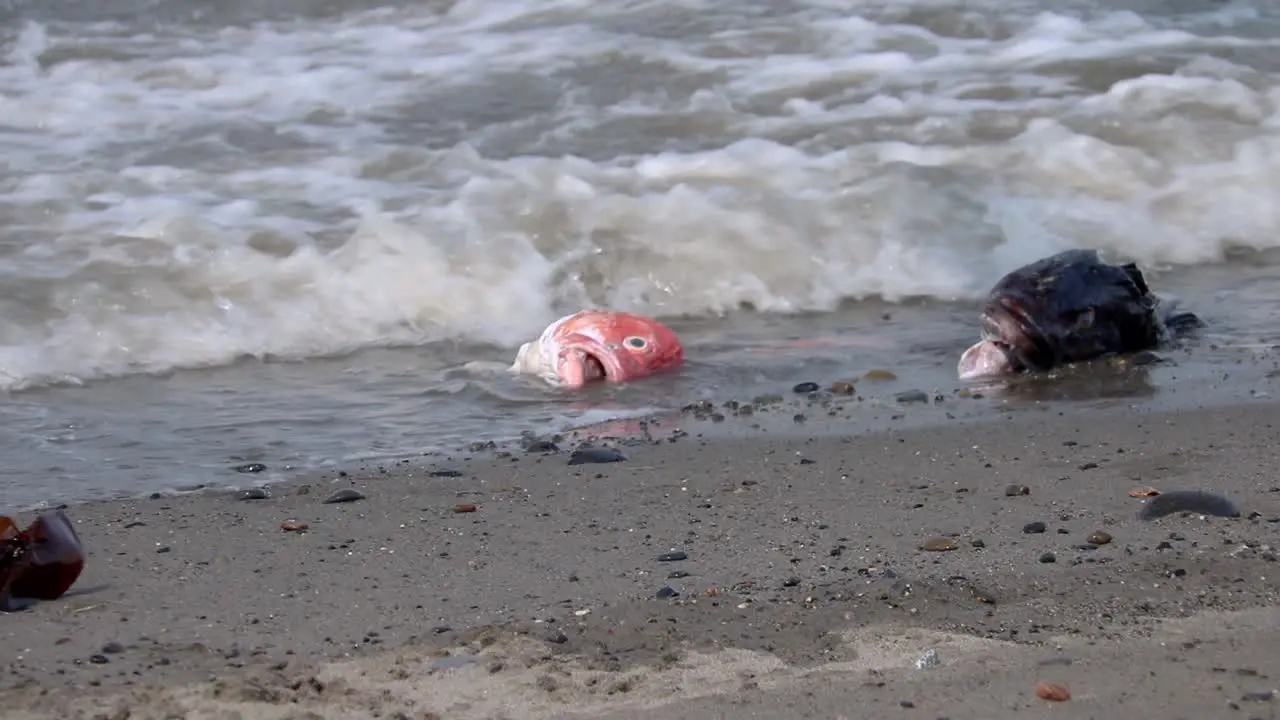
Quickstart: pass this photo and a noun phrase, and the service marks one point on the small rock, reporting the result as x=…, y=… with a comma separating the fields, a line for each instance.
x=666, y=591
x=939, y=545
x=842, y=388
x=446, y=472
x=912, y=396
x=291, y=526
x=112, y=648
x=464, y=508
x=542, y=446
x=1052, y=692
x=1033, y=528
x=1098, y=537
x=879, y=375
x=253, y=494
x=250, y=468
x=1016, y=490
x=677, y=574
x=99, y=659
x=345, y=495
x=557, y=637
x=977, y=543
x=1199, y=502
x=1048, y=558
x=805, y=387
x=1260, y=696
x=588, y=456
x=673, y=556
x=928, y=659
x=791, y=581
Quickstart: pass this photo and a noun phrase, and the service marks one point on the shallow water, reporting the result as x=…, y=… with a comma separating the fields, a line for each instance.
x=277, y=231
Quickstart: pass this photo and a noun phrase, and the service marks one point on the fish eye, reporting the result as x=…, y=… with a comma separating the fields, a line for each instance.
x=638, y=343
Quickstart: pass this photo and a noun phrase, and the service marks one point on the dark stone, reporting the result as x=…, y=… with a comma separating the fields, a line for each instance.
x=345, y=495
x=665, y=592
x=253, y=494
x=674, y=556
x=250, y=468
x=589, y=456
x=1033, y=528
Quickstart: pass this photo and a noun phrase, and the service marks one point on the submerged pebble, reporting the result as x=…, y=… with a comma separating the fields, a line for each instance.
x=344, y=496
x=253, y=494
x=842, y=388
x=587, y=456
x=938, y=545
x=1193, y=501
x=250, y=468
x=880, y=375
x=912, y=396
x=805, y=387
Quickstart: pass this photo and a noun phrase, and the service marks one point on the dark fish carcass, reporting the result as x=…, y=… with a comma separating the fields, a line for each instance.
x=1069, y=307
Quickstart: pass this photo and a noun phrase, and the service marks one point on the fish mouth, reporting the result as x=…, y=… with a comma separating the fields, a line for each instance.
x=584, y=360
x=1008, y=325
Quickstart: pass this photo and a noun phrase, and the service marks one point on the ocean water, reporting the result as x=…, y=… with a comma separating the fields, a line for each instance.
x=278, y=232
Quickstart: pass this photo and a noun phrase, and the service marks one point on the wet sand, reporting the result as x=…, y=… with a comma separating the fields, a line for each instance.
x=804, y=590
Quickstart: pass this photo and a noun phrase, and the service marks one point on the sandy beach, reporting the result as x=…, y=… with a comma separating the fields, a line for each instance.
x=757, y=574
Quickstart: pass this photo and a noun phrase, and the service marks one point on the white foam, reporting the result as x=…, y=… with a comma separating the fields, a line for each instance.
x=192, y=195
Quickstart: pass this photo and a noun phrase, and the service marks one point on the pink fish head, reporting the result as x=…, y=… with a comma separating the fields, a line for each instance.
x=613, y=346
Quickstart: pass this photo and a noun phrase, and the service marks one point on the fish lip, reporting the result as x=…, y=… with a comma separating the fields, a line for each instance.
x=1008, y=325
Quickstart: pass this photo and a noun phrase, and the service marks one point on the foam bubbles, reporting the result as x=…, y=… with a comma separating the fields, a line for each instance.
x=190, y=195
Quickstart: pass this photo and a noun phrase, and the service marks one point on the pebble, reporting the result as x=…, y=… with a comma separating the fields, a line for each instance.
x=1193, y=501
x=666, y=591
x=542, y=446
x=1016, y=490
x=112, y=648
x=939, y=545
x=791, y=581
x=1048, y=558
x=1098, y=537
x=912, y=396
x=880, y=375
x=253, y=494
x=677, y=574
x=673, y=556
x=842, y=388
x=250, y=468
x=1052, y=692
x=344, y=496
x=805, y=387
x=446, y=472
x=588, y=456
x=99, y=659
x=1033, y=528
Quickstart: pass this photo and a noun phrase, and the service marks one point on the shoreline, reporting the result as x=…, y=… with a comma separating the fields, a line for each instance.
x=1176, y=381
x=789, y=541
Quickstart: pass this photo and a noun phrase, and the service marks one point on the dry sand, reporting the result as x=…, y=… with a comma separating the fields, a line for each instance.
x=805, y=591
